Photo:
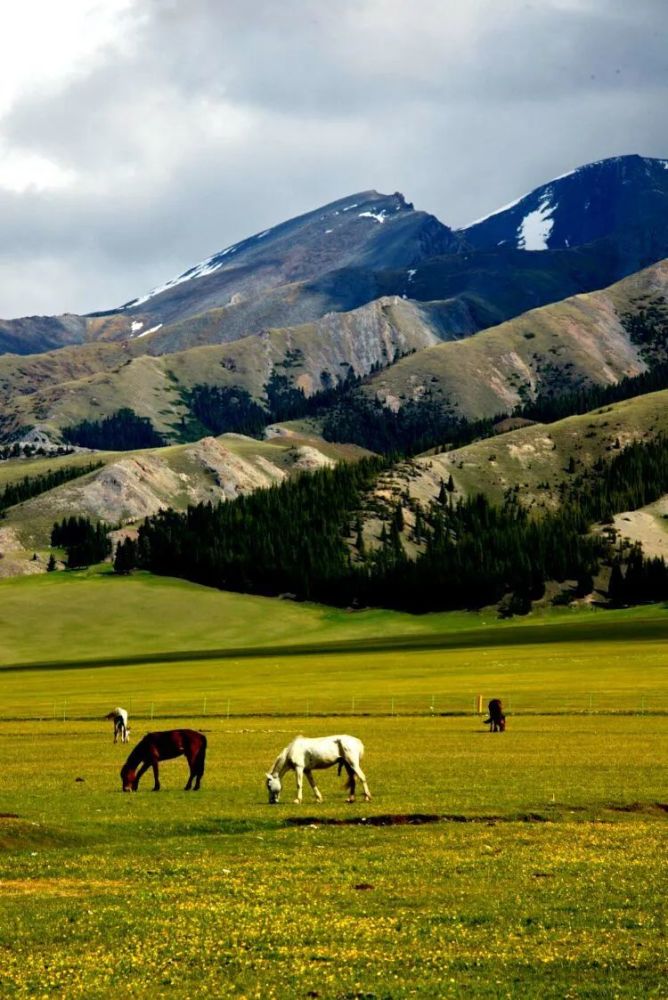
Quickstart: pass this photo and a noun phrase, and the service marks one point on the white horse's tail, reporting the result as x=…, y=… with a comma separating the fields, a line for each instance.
x=358, y=752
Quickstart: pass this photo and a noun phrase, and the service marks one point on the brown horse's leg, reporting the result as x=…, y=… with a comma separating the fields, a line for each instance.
x=154, y=764
x=200, y=760
x=135, y=784
x=191, y=764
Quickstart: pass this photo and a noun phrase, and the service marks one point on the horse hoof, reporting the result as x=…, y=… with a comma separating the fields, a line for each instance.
x=351, y=799
x=297, y=802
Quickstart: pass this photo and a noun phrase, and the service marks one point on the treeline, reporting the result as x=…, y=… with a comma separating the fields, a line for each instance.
x=122, y=431
x=32, y=486
x=84, y=541
x=17, y=450
x=292, y=538
x=415, y=427
x=346, y=416
x=288, y=538
x=232, y=409
x=548, y=408
x=638, y=475
x=638, y=581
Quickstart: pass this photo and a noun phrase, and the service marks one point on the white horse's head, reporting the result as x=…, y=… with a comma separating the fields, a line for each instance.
x=274, y=788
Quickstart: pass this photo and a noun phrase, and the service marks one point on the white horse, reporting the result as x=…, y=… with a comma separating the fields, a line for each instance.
x=306, y=755
x=120, y=719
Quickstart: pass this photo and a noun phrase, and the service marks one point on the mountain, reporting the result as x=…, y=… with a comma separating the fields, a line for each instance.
x=275, y=278
x=368, y=230
x=597, y=201
x=592, y=227
x=354, y=287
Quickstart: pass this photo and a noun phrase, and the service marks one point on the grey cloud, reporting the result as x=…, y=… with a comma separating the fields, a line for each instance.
x=217, y=120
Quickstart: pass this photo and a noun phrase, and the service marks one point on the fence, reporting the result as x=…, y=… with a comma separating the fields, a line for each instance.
x=613, y=702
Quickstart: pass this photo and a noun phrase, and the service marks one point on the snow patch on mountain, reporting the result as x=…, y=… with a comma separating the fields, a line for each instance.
x=199, y=271
x=535, y=228
x=146, y=332
x=378, y=216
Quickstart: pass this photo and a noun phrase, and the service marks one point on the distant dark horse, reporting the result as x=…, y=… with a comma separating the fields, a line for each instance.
x=165, y=746
x=496, y=720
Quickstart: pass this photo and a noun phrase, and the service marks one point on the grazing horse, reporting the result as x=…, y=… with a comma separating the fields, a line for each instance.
x=306, y=755
x=496, y=720
x=120, y=719
x=165, y=746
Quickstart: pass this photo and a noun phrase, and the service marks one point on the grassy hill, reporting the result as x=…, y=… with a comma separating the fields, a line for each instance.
x=584, y=339
x=538, y=458
x=61, y=388
x=128, y=619
x=132, y=485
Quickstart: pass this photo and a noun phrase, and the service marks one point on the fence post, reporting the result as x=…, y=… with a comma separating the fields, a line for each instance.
x=151, y=710
x=479, y=708
x=204, y=706
x=392, y=708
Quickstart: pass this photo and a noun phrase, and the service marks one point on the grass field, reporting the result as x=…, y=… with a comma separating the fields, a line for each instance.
x=542, y=873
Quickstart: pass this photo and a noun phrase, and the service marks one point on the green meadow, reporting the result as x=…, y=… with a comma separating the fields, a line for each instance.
x=524, y=864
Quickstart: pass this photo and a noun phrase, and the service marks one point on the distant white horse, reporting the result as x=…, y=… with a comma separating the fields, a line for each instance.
x=120, y=720
x=306, y=755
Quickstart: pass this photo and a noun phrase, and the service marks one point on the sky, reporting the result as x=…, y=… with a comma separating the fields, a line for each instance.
x=138, y=137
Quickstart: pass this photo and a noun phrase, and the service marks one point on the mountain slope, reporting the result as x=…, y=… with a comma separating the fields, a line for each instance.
x=58, y=389
x=587, y=339
x=538, y=461
x=367, y=230
x=582, y=340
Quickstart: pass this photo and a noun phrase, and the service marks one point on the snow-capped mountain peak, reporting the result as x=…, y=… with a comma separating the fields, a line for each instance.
x=576, y=208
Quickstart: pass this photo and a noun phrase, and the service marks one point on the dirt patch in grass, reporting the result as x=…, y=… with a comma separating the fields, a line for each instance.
x=645, y=808
x=411, y=819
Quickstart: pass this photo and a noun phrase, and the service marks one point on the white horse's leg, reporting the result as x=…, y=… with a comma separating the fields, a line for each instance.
x=359, y=773
x=316, y=790
x=299, y=777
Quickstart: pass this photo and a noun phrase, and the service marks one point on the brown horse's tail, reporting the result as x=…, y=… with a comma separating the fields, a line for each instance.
x=200, y=759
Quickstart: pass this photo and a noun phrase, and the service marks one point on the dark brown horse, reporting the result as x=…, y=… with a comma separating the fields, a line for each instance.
x=496, y=720
x=165, y=746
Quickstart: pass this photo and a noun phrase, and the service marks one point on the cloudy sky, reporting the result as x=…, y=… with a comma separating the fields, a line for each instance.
x=139, y=136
